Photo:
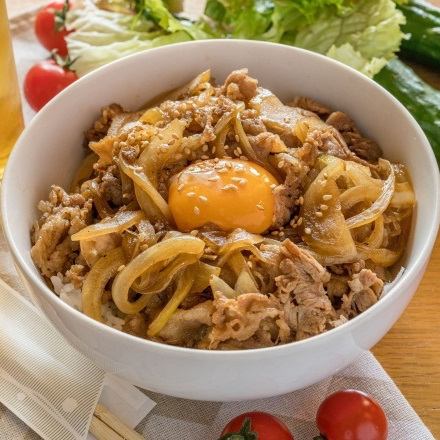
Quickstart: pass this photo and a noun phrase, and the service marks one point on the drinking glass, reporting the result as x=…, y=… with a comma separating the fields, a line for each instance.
x=11, y=118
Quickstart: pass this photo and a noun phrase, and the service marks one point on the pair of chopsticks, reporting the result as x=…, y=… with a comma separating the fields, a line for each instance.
x=106, y=426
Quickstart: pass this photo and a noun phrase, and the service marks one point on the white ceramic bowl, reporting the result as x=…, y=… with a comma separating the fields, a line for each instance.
x=50, y=149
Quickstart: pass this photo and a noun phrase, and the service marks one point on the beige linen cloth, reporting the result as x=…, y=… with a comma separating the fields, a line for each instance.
x=180, y=419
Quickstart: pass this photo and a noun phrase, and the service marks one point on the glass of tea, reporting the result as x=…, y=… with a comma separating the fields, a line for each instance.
x=11, y=118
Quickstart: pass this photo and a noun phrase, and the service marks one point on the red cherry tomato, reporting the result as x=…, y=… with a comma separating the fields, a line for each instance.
x=265, y=426
x=351, y=415
x=49, y=27
x=45, y=80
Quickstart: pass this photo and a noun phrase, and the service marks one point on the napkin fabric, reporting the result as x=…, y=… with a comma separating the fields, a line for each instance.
x=180, y=419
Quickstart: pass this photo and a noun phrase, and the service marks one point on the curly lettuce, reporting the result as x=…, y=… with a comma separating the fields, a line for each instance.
x=364, y=34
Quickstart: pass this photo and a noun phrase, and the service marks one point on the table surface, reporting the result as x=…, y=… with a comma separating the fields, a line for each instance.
x=410, y=352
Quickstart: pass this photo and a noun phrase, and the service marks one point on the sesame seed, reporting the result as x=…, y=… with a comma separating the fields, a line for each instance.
x=191, y=194
x=325, y=175
x=243, y=158
x=194, y=232
x=324, y=207
x=236, y=153
x=327, y=197
x=203, y=198
x=121, y=267
x=196, y=210
x=242, y=182
x=204, y=157
x=249, y=263
x=282, y=234
x=274, y=233
x=318, y=214
x=273, y=186
x=230, y=186
x=286, y=119
x=160, y=137
x=228, y=165
x=300, y=220
x=222, y=170
x=239, y=151
x=301, y=200
x=216, y=160
x=260, y=206
x=180, y=187
x=214, y=178
x=237, y=138
x=226, y=147
x=213, y=150
x=205, y=148
x=175, y=136
x=281, y=164
x=308, y=231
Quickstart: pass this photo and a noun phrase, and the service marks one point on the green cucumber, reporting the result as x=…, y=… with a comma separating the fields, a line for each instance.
x=423, y=30
x=421, y=100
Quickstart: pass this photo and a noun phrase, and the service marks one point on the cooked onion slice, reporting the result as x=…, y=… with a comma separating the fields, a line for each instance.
x=183, y=287
x=325, y=230
x=244, y=141
x=202, y=274
x=121, y=221
x=378, y=207
x=143, y=184
x=100, y=274
x=240, y=240
x=162, y=150
x=165, y=250
x=245, y=280
x=381, y=256
x=219, y=286
x=160, y=281
x=84, y=171
x=403, y=196
x=375, y=239
x=357, y=194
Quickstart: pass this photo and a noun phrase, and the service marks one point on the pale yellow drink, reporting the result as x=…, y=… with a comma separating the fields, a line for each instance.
x=11, y=119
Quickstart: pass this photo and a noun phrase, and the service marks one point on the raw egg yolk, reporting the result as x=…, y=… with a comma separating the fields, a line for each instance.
x=228, y=193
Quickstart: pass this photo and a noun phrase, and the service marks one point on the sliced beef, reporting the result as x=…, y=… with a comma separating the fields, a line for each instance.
x=63, y=215
x=248, y=316
x=311, y=105
x=186, y=327
x=366, y=288
x=76, y=275
x=329, y=141
x=363, y=147
x=102, y=124
x=240, y=86
x=301, y=285
x=287, y=193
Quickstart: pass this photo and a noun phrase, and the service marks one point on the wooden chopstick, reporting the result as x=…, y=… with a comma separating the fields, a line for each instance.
x=106, y=426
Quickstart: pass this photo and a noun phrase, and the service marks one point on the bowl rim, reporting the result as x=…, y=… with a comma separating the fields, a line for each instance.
x=403, y=283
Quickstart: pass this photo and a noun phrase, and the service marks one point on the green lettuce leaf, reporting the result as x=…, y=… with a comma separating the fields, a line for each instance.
x=241, y=18
x=101, y=36
x=364, y=34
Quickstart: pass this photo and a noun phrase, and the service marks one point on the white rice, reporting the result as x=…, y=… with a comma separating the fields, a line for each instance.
x=72, y=296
